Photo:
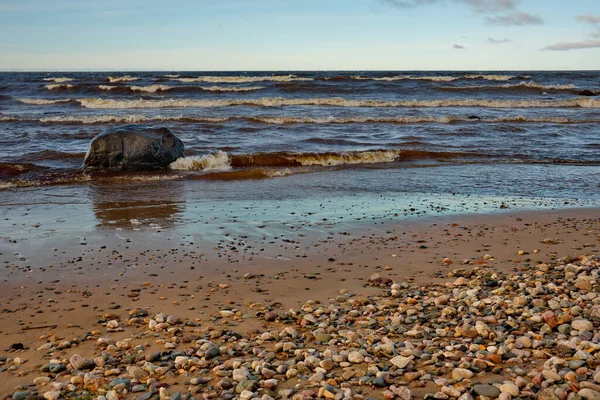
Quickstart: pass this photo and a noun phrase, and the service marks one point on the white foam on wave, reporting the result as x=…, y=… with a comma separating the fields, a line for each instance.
x=12, y=119
x=408, y=77
x=217, y=161
x=163, y=88
x=230, y=89
x=356, y=157
x=125, y=119
x=42, y=102
x=244, y=79
x=98, y=103
x=151, y=88
x=58, y=80
x=126, y=78
x=530, y=84
x=490, y=77
x=58, y=86
x=283, y=120
x=96, y=119
x=435, y=78
x=172, y=76
x=107, y=87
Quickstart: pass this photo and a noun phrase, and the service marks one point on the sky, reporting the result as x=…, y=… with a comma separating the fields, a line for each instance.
x=245, y=35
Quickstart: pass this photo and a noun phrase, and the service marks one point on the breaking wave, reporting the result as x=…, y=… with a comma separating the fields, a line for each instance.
x=58, y=80
x=99, y=103
x=167, y=88
x=221, y=161
x=60, y=86
x=517, y=86
x=244, y=79
x=434, y=78
x=217, y=161
x=289, y=120
x=125, y=119
x=42, y=102
x=126, y=78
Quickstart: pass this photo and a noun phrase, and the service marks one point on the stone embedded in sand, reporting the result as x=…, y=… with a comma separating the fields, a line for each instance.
x=487, y=390
x=450, y=391
x=400, y=361
x=79, y=362
x=355, y=357
x=270, y=316
x=459, y=374
x=52, y=395
x=133, y=147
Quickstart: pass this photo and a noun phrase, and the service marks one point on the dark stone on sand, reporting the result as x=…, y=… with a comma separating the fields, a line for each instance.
x=487, y=390
x=20, y=395
x=133, y=147
x=56, y=368
x=587, y=93
x=379, y=382
x=212, y=352
x=17, y=346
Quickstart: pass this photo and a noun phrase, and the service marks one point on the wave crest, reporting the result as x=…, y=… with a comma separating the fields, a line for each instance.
x=58, y=80
x=126, y=78
x=42, y=102
x=244, y=79
x=217, y=161
x=517, y=86
x=99, y=103
x=59, y=86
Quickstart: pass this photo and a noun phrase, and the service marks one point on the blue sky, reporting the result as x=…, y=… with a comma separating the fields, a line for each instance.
x=299, y=34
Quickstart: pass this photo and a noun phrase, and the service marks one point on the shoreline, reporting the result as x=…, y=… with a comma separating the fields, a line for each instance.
x=167, y=276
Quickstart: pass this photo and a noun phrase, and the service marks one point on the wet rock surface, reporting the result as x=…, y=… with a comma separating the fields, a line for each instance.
x=133, y=147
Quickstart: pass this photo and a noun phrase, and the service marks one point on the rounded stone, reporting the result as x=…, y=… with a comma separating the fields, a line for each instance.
x=487, y=390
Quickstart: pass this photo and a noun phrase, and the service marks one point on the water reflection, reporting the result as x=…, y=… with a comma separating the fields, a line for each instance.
x=134, y=206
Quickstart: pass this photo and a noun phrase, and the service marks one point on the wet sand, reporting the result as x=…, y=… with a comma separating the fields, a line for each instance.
x=70, y=289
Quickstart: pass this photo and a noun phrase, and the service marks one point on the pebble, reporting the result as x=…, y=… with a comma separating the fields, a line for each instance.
x=52, y=395
x=510, y=388
x=582, y=325
x=81, y=363
x=459, y=374
x=487, y=390
x=355, y=357
x=400, y=361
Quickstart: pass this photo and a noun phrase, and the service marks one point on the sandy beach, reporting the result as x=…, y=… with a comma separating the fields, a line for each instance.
x=343, y=314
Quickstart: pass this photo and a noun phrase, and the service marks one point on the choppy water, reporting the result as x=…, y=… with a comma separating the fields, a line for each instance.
x=476, y=133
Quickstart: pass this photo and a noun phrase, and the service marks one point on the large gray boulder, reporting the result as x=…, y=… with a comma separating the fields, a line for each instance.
x=133, y=147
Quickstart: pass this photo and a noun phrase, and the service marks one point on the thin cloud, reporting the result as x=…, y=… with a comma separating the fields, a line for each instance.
x=516, y=18
x=567, y=46
x=458, y=47
x=498, y=41
x=494, y=10
x=491, y=6
x=588, y=18
x=409, y=3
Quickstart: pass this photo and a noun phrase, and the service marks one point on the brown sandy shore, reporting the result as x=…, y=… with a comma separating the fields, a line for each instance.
x=433, y=307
